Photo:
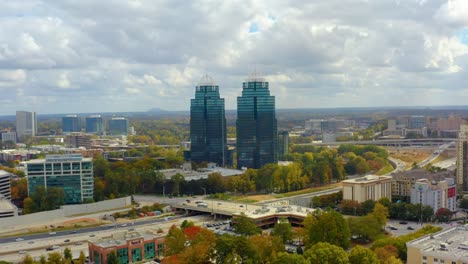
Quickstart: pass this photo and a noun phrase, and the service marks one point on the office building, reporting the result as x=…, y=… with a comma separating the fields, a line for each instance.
x=5, y=186
x=436, y=194
x=462, y=160
x=95, y=125
x=403, y=182
x=257, y=136
x=369, y=187
x=283, y=144
x=76, y=140
x=448, y=246
x=118, y=126
x=7, y=136
x=72, y=173
x=130, y=247
x=26, y=124
x=416, y=122
x=207, y=124
x=70, y=124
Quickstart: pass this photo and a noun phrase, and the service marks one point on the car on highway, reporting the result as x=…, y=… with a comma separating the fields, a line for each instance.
x=19, y=239
x=55, y=247
x=22, y=252
x=73, y=232
x=52, y=233
x=123, y=225
x=78, y=243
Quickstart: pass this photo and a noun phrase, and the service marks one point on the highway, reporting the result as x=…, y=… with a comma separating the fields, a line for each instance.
x=436, y=154
x=35, y=245
x=59, y=234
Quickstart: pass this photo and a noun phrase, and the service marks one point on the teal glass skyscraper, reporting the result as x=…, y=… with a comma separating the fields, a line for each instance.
x=257, y=137
x=207, y=124
x=71, y=123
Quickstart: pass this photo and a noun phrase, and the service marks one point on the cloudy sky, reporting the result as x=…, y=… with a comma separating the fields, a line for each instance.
x=68, y=56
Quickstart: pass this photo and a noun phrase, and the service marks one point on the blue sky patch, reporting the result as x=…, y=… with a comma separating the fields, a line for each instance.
x=253, y=27
x=463, y=36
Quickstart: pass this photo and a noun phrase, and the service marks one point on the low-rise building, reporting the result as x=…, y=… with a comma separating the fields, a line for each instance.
x=369, y=187
x=7, y=209
x=449, y=246
x=130, y=247
x=403, y=182
x=436, y=194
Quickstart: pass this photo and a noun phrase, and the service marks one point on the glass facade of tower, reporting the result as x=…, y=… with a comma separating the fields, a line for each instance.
x=208, y=126
x=95, y=124
x=118, y=126
x=72, y=173
x=256, y=125
x=71, y=124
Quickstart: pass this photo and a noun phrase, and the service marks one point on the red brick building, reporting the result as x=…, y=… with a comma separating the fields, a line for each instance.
x=130, y=247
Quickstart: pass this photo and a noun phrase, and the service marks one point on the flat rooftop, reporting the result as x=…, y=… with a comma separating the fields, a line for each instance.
x=449, y=243
x=253, y=211
x=200, y=174
x=6, y=205
x=367, y=178
x=121, y=238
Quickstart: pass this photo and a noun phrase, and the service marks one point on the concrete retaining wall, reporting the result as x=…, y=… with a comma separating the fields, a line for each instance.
x=65, y=211
x=75, y=209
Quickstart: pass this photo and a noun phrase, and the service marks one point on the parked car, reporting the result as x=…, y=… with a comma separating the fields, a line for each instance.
x=403, y=222
x=66, y=240
x=410, y=228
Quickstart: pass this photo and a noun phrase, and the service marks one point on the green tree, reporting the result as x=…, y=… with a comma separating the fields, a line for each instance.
x=360, y=254
x=464, y=203
x=43, y=260
x=364, y=228
x=82, y=258
x=27, y=259
x=225, y=245
x=245, y=226
x=327, y=226
x=283, y=230
x=325, y=253
x=67, y=254
x=174, y=241
x=177, y=179
x=112, y=258
x=283, y=257
x=28, y=206
x=380, y=213
x=55, y=258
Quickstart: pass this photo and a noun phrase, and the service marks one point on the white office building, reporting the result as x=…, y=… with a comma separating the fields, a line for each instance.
x=26, y=124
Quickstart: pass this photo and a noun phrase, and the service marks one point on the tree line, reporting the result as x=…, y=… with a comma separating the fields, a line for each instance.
x=326, y=237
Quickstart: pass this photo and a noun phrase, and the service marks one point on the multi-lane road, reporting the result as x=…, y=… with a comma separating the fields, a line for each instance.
x=35, y=245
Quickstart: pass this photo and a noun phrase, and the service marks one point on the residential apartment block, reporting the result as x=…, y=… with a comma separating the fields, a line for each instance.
x=441, y=194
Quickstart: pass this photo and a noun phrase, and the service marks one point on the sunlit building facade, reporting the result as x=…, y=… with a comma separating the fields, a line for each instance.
x=72, y=173
x=208, y=124
x=257, y=137
x=70, y=124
